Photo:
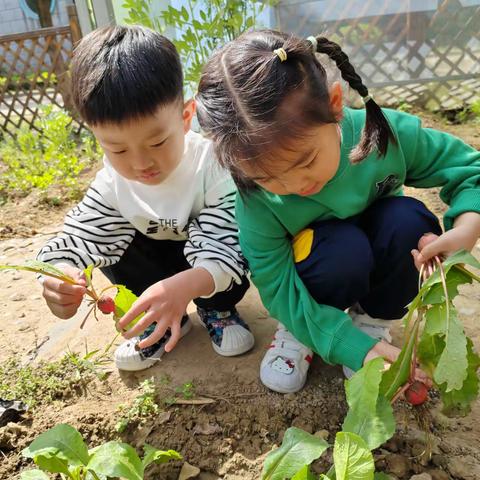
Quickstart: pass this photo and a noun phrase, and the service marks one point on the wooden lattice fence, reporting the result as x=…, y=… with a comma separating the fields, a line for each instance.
x=421, y=52
x=33, y=72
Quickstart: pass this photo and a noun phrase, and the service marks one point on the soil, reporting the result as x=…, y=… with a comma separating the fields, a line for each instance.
x=229, y=437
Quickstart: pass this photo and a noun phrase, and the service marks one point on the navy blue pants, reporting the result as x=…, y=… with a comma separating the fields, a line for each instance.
x=148, y=261
x=367, y=259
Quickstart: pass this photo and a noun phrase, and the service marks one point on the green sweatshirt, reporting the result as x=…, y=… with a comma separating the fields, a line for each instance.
x=423, y=158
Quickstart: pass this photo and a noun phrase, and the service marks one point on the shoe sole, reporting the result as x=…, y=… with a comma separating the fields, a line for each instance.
x=150, y=361
x=234, y=353
x=279, y=389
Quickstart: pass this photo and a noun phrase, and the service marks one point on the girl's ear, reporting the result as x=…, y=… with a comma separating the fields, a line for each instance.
x=189, y=109
x=336, y=100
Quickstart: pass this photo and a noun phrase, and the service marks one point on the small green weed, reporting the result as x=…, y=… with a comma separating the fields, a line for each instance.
x=469, y=113
x=44, y=383
x=187, y=390
x=36, y=160
x=405, y=107
x=143, y=406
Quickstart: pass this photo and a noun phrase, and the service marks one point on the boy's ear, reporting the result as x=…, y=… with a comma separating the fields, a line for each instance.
x=336, y=100
x=189, y=109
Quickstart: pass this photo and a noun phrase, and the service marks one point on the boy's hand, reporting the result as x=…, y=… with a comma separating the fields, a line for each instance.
x=463, y=235
x=63, y=299
x=390, y=354
x=165, y=303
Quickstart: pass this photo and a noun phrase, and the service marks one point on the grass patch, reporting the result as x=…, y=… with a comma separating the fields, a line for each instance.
x=45, y=383
x=53, y=158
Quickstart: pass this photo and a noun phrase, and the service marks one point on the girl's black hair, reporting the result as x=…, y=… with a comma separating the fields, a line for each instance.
x=122, y=73
x=241, y=98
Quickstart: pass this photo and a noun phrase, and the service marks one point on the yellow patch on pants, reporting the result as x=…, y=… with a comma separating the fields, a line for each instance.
x=302, y=244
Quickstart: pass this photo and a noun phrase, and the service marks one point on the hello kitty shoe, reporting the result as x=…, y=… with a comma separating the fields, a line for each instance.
x=285, y=365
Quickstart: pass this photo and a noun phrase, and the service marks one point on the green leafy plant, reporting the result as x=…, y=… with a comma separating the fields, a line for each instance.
x=63, y=451
x=368, y=424
x=49, y=155
x=143, y=406
x=441, y=347
x=351, y=456
x=201, y=26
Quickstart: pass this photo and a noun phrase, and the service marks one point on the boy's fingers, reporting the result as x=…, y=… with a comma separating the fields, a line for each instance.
x=176, y=335
x=64, y=311
x=139, y=327
x=60, y=298
x=138, y=307
x=156, y=335
x=63, y=287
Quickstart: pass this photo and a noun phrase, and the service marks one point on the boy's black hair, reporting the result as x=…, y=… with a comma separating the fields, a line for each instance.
x=122, y=73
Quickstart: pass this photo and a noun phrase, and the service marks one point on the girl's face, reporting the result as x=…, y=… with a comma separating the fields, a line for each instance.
x=308, y=163
x=305, y=168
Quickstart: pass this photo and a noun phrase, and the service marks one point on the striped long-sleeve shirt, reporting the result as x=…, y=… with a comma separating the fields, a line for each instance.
x=195, y=203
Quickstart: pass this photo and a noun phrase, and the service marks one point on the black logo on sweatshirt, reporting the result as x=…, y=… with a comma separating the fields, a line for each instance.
x=165, y=224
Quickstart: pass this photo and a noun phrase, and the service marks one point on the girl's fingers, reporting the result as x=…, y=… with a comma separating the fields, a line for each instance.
x=430, y=268
x=421, y=376
x=140, y=326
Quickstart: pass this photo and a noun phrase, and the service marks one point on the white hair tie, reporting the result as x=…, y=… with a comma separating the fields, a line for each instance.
x=314, y=42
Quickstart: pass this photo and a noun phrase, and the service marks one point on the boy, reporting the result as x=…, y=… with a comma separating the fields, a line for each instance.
x=159, y=217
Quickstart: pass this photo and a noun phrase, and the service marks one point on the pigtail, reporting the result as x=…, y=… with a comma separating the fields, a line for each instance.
x=377, y=132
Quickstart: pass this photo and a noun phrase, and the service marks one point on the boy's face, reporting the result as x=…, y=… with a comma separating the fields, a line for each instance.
x=147, y=149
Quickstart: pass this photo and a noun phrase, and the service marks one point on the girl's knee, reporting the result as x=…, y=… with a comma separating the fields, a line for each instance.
x=333, y=253
x=405, y=219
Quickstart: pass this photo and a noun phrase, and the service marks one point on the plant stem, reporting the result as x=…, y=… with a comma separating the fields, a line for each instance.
x=331, y=472
x=468, y=272
x=109, y=288
x=94, y=475
x=86, y=316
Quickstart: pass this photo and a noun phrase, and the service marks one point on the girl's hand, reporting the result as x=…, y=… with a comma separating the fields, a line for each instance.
x=165, y=303
x=63, y=298
x=463, y=235
x=390, y=354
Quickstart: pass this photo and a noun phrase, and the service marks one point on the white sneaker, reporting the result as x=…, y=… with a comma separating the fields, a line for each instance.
x=285, y=365
x=375, y=327
x=131, y=358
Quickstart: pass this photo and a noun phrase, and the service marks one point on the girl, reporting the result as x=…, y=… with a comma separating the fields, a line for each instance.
x=323, y=222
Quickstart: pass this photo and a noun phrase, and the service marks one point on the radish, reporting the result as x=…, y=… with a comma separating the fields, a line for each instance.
x=416, y=393
x=106, y=304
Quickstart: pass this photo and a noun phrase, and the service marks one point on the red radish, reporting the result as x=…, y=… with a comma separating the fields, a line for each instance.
x=106, y=304
x=416, y=393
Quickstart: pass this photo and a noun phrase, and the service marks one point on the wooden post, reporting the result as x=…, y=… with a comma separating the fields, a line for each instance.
x=44, y=14
x=74, y=24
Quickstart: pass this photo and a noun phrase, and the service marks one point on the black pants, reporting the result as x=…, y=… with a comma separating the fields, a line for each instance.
x=148, y=261
x=367, y=259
